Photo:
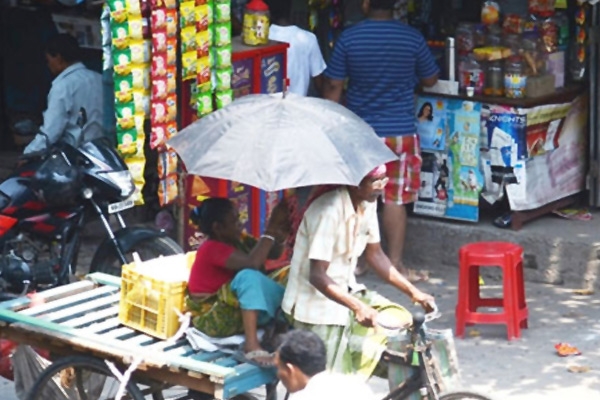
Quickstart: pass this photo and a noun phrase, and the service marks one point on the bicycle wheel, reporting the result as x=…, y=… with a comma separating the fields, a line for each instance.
x=80, y=378
x=463, y=396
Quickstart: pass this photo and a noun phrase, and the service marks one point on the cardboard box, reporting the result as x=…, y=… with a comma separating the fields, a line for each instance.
x=541, y=85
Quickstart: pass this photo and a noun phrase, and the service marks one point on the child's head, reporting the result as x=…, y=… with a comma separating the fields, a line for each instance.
x=218, y=219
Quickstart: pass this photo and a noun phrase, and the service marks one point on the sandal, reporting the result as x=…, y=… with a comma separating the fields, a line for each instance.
x=414, y=275
x=253, y=357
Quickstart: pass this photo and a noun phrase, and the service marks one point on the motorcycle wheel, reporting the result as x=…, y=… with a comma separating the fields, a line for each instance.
x=147, y=250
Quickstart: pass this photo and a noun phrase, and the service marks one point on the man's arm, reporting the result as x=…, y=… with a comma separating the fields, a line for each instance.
x=318, y=277
x=429, y=82
x=427, y=69
x=333, y=89
x=55, y=121
x=382, y=265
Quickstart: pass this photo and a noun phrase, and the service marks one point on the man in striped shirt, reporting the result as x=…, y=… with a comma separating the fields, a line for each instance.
x=383, y=61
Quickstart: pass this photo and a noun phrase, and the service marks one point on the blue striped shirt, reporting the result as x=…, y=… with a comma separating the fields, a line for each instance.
x=383, y=61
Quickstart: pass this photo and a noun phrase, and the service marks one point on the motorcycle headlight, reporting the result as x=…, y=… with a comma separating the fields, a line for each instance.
x=123, y=180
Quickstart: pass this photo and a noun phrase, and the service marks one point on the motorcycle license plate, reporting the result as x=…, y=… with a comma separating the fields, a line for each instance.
x=120, y=206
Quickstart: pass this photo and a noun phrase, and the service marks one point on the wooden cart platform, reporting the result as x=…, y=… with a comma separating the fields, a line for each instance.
x=82, y=319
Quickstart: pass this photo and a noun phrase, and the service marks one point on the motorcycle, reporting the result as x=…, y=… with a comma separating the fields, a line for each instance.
x=45, y=206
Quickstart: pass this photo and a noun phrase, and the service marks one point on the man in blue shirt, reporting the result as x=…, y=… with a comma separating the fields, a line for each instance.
x=383, y=61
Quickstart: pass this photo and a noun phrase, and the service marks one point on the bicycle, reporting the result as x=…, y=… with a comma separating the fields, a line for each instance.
x=426, y=378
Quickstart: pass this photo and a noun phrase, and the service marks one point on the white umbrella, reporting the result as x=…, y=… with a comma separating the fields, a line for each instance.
x=274, y=142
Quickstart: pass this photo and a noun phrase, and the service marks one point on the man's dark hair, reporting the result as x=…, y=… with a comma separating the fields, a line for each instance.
x=280, y=9
x=382, y=4
x=305, y=350
x=64, y=45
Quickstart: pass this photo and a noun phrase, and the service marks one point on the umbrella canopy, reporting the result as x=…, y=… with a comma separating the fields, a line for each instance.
x=274, y=142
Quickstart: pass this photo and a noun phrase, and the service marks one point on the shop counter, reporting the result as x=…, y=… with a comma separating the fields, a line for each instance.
x=532, y=150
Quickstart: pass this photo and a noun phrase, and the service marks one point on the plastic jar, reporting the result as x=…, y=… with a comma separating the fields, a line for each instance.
x=256, y=23
x=515, y=79
x=494, y=79
x=471, y=75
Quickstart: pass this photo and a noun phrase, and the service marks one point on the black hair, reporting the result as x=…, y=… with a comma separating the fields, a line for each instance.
x=305, y=350
x=210, y=211
x=422, y=109
x=382, y=4
x=64, y=45
x=280, y=9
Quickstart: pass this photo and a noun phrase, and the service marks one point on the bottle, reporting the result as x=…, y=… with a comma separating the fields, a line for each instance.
x=256, y=24
x=494, y=79
x=515, y=80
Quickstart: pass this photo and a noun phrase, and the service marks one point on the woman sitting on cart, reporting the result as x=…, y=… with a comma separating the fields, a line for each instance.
x=228, y=291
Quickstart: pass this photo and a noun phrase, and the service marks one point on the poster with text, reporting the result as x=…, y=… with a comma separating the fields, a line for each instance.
x=451, y=179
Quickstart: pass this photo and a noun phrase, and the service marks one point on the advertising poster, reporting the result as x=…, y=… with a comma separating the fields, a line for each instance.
x=431, y=123
x=450, y=177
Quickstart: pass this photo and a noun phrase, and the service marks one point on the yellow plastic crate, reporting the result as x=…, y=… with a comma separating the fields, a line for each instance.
x=152, y=292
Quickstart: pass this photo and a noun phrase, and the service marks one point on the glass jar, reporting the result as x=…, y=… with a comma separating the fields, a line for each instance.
x=515, y=79
x=255, y=31
x=494, y=79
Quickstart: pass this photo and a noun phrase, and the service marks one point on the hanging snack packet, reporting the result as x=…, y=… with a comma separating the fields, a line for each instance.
x=490, y=13
x=122, y=61
x=140, y=51
x=223, y=79
x=123, y=86
x=172, y=51
x=159, y=65
x=222, y=34
x=120, y=34
x=203, y=43
x=222, y=12
x=187, y=15
x=159, y=41
x=188, y=39
x=140, y=76
x=171, y=130
x=160, y=88
x=136, y=27
x=170, y=4
x=159, y=19
x=141, y=100
x=171, y=103
x=171, y=23
x=167, y=190
x=158, y=113
x=203, y=71
x=118, y=11
x=189, y=65
x=171, y=80
x=139, y=120
x=125, y=113
x=202, y=17
x=157, y=136
x=224, y=98
x=126, y=140
x=167, y=163
x=204, y=103
x=223, y=56
x=134, y=7
x=136, y=167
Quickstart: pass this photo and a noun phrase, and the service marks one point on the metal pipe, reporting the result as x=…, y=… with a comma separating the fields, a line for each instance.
x=451, y=59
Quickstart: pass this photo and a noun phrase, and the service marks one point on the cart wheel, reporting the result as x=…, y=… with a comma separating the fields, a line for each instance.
x=80, y=378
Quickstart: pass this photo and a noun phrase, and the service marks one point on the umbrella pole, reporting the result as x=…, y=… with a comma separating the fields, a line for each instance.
x=286, y=83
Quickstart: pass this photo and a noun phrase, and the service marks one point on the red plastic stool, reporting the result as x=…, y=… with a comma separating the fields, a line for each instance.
x=507, y=256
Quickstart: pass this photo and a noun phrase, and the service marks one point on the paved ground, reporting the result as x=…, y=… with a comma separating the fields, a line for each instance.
x=527, y=368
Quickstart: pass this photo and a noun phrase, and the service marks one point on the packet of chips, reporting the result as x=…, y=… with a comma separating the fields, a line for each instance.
x=171, y=130
x=172, y=51
x=136, y=167
x=122, y=61
x=222, y=12
x=159, y=65
x=140, y=51
x=140, y=76
x=203, y=71
x=158, y=135
x=127, y=142
x=203, y=43
x=118, y=10
x=204, y=103
x=188, y=39
x=141, y=101
x=160, y=88
x=123, y=85
x=202, y=17
x=159, y=19
x=125, y=113
x=223, y=79
x=120, y=34
x=159, y=40
x=167, y=163
x=189, y=65
x=171, y=25
x=171, y=103
x=171, y=80
x=168, y=190
x=224, y=98
x=223, y=56
x=187, y=15
x=222, y=34
x=136, y=27
x=158, y=114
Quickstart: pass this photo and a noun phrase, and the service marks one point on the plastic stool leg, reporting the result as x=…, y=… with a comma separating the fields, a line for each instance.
x=474, y=294
x=510, y=307
x=463, y=297
x=521, y=302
